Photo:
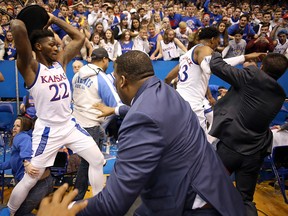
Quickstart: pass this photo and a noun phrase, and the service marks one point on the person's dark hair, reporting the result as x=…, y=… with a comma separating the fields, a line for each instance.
x=133, y=28
x=208, y=33
x=134, y=65
x=245, y=15
x=123, y=35
x=109, y=8
x=237, y=8
x=93, y=35
x=265, y=25
x=165, y=36
x=238, y=31
x=26, y=125
x=112, y=38
x=265, y=13
x=140, y=9
x=225, y=33
x=39, y=34
x=275, y=65
x=100, y=33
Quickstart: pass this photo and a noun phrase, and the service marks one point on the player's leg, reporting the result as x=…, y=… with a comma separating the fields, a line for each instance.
x=81, y=182
x=95, y=159
x=21, y=191
x=80, y=142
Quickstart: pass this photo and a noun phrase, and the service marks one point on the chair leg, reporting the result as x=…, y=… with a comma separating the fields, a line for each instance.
x=283, y=188
x=282, y=185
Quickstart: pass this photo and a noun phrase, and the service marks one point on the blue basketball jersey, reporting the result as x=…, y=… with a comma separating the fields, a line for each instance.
x=125, y=47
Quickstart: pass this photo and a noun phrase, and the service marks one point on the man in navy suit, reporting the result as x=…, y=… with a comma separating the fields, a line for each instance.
x=163, y=153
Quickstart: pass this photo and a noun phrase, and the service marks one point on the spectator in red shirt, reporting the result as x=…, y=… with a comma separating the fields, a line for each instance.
x=262, y=44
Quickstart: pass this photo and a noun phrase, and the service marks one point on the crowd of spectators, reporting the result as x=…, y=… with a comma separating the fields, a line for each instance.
x=162, y=29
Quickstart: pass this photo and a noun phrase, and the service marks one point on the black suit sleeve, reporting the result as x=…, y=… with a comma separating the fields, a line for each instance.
x=234, y=76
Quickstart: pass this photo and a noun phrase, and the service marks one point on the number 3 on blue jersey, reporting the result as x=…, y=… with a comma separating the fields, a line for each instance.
x=182, y=75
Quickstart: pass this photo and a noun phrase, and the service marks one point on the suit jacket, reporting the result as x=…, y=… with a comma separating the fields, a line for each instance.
x=164, y=156
x=242, y=117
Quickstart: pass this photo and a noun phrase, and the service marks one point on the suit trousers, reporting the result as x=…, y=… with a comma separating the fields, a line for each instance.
x=246, y=169
x=142, y=211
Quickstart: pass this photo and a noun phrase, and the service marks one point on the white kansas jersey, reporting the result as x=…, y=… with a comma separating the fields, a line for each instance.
x=51, y=92
x=169, y=51
x=193, y=81
x=281, y=48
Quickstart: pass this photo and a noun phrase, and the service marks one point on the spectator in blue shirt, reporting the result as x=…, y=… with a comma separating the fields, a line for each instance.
x=244, y=26
x=174, y=18
x=22, y=150
x=215, y=15
x=191, y=20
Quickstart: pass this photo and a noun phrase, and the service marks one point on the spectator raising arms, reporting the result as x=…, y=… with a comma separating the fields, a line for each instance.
x=215, y=16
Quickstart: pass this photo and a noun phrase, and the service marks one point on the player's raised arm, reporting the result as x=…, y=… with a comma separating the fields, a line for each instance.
x=71, y=50
x=25, y=62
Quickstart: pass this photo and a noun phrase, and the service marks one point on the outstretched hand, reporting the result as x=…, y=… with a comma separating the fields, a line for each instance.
x=255, y=56
x=106, y=111
x=57, y=205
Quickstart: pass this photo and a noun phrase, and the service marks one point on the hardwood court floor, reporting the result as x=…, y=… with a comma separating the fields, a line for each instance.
x=268, y=202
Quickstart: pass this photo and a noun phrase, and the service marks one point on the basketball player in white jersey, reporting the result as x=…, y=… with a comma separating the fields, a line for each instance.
x=281, y=44
x=194, y=71
x=47, y=82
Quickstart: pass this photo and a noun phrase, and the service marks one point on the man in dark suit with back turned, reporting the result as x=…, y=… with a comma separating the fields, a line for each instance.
x=242, y=118
x=163, y=153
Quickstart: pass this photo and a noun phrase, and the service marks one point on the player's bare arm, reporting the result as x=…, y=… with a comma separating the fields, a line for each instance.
x=71, y=50
x=172, y=74
x=25, y=62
